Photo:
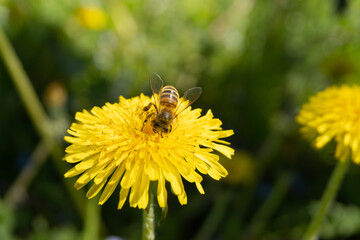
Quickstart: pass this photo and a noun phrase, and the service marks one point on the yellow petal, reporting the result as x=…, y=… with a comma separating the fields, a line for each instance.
x=123, y=195
x=200, y=188
x=111, y=185
x=161, y=191
x=95, y=189
x=182, y=198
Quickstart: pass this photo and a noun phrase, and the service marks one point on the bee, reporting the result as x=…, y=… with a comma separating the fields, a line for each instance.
x=167, y=105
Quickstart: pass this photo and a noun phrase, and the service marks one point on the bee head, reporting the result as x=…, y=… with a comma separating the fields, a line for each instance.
x=161, y=126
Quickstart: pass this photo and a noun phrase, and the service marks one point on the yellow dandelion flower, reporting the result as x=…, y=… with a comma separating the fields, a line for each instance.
x=111, y=147
x=334, y=114
x=92, y=17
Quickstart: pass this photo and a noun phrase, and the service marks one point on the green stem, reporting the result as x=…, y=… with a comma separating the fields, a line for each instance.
x=25, y=90
x=92, y=220
x=327, y=198
x=265, y=156
x=37, y=115
x=149, y=219
x=216, y=215
x=270, y=205
x=17, y=191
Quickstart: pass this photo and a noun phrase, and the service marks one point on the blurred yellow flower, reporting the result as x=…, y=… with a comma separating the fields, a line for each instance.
x=242, y=168
x=91, y=17
x=111, y=148
x=334, y=114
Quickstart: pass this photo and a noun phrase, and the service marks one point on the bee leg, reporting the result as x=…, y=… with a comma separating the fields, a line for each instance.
x=147, y=108
x=170, y=128
x=146, y=119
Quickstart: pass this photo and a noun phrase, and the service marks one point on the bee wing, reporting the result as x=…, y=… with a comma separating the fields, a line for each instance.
x=156, y=84
x=190, y=96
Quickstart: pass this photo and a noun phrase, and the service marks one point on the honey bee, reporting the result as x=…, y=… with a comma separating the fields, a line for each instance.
x=167, y=105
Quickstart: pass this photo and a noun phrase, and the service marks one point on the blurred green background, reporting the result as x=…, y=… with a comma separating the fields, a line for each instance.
x=257, y=62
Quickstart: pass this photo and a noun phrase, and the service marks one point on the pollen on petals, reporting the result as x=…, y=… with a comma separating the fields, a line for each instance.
x=334, y=114
x=111, y=146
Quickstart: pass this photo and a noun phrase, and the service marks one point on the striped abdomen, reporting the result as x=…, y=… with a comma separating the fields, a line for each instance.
x=169, y=97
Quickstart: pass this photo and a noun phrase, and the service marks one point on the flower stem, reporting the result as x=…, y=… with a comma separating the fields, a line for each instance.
x=92, y=220
x=17, y=191
x=267, y=209
x=149, y=219
x=215, y=216
x=327, y=198
x=26, y=90
x=37, y=114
